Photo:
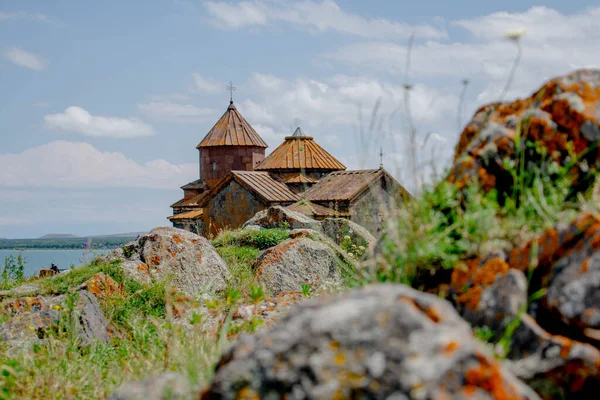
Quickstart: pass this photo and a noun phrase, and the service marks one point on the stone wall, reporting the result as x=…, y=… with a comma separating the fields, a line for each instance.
x=228, y=158
x=372, y=208
x=190, y=226
x=230, y=208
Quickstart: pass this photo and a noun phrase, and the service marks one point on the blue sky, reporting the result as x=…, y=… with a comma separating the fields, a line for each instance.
x=103, y=103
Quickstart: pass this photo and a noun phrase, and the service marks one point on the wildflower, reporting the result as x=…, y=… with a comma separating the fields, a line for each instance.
x=85, y=245
x=31, y=328
x=515, y=34
x=57, y=307
x=346, y=237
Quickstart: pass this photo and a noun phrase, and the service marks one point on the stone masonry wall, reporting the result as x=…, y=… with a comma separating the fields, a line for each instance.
x=228, y=158
x=230, y=208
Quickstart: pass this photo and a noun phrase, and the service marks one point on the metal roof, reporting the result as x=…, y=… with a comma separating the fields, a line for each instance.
x=194, y=214
x=258, y=182
x=197, y=184
x=296, y=177
x=300, y=152
x=343, y=185
x=232, y=130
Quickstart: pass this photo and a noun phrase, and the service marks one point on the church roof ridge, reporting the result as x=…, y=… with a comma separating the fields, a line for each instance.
x=232, y=129
x=300, y=152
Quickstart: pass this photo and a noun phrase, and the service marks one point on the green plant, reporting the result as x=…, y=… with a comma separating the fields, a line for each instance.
x=256, y=293
x=14, y=269
x=306, y=289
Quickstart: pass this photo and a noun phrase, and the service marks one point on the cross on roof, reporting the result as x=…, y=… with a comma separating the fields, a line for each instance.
x=381, y=157
x=231, y=89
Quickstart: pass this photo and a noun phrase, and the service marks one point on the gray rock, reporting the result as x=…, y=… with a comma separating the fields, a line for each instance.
x=574, y=293
x=168, y=386
x=500, y=303
x=187, y=260
x=33, y=319
x=338, y=228
x=555, y=366
x=293, y=262
x=379, y=342
x=281, y=217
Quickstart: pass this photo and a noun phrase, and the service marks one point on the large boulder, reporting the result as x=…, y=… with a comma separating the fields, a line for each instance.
x=34, y=319
x=281, y=217
x=555, y=334
x=562, y=112
x=187, y=260
x=298, y=261
x=380, y=342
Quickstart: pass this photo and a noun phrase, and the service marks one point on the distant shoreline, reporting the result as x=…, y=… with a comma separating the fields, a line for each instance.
x=97, y=243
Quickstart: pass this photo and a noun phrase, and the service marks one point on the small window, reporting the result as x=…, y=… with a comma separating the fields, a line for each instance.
x=214, y=166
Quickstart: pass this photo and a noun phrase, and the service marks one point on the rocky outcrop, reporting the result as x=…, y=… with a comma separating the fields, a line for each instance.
x=281, y=217
x=298, y=261
x=33, y=319
x=556, y=339
x=380, y=342
x=562, y=113
x=188, y=261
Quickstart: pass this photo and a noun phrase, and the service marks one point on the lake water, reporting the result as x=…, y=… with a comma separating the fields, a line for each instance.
x=36, y=259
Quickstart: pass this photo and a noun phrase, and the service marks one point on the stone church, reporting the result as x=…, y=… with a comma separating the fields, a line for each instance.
x=236, y=181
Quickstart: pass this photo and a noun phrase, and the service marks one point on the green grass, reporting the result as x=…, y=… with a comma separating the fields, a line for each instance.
x=262, y=239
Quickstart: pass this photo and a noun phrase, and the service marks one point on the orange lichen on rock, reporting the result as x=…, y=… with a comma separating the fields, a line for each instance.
x=155, y=260
x=143, y=268
x=487, y=376
x=461, y=274
x=486, y=275
x=451, y=347
x=177, y=239
x=275, y=253
x=471, y=297
x=102, y=286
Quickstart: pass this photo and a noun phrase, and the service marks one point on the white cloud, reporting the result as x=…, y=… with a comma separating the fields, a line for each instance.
x=6, y=15
x=78, y=120
x=169, y=111
x=541, y=24
x=206, y=85
x=553, y=44
x=316, y=17
x=62, y=164
x=25, y=59
x=313, y=103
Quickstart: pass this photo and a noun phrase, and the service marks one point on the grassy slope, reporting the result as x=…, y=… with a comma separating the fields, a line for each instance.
x=430, y=235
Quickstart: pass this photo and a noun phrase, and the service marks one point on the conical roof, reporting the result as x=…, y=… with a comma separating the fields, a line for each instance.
x=232, y=130
x=300, y=152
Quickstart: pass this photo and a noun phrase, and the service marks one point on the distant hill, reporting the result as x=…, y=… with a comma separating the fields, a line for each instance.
x=71, y=236
x=121, y=235
x=58, y=236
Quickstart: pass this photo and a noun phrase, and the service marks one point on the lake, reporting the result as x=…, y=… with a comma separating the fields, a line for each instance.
x=36, y=259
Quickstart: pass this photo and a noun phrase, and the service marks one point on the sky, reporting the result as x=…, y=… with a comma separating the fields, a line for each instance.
x=102, y=104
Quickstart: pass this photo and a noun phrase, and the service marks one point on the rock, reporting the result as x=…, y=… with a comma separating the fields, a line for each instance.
x=102, y=286
x=339, y=228
x=293, y=262
x=44, y=272
x=379, y=342
x=555, y=366
x=548, y=347
x=168, y=386
x=564, y=110
x=187, y=260
x=281, y=217
x=32, y=319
